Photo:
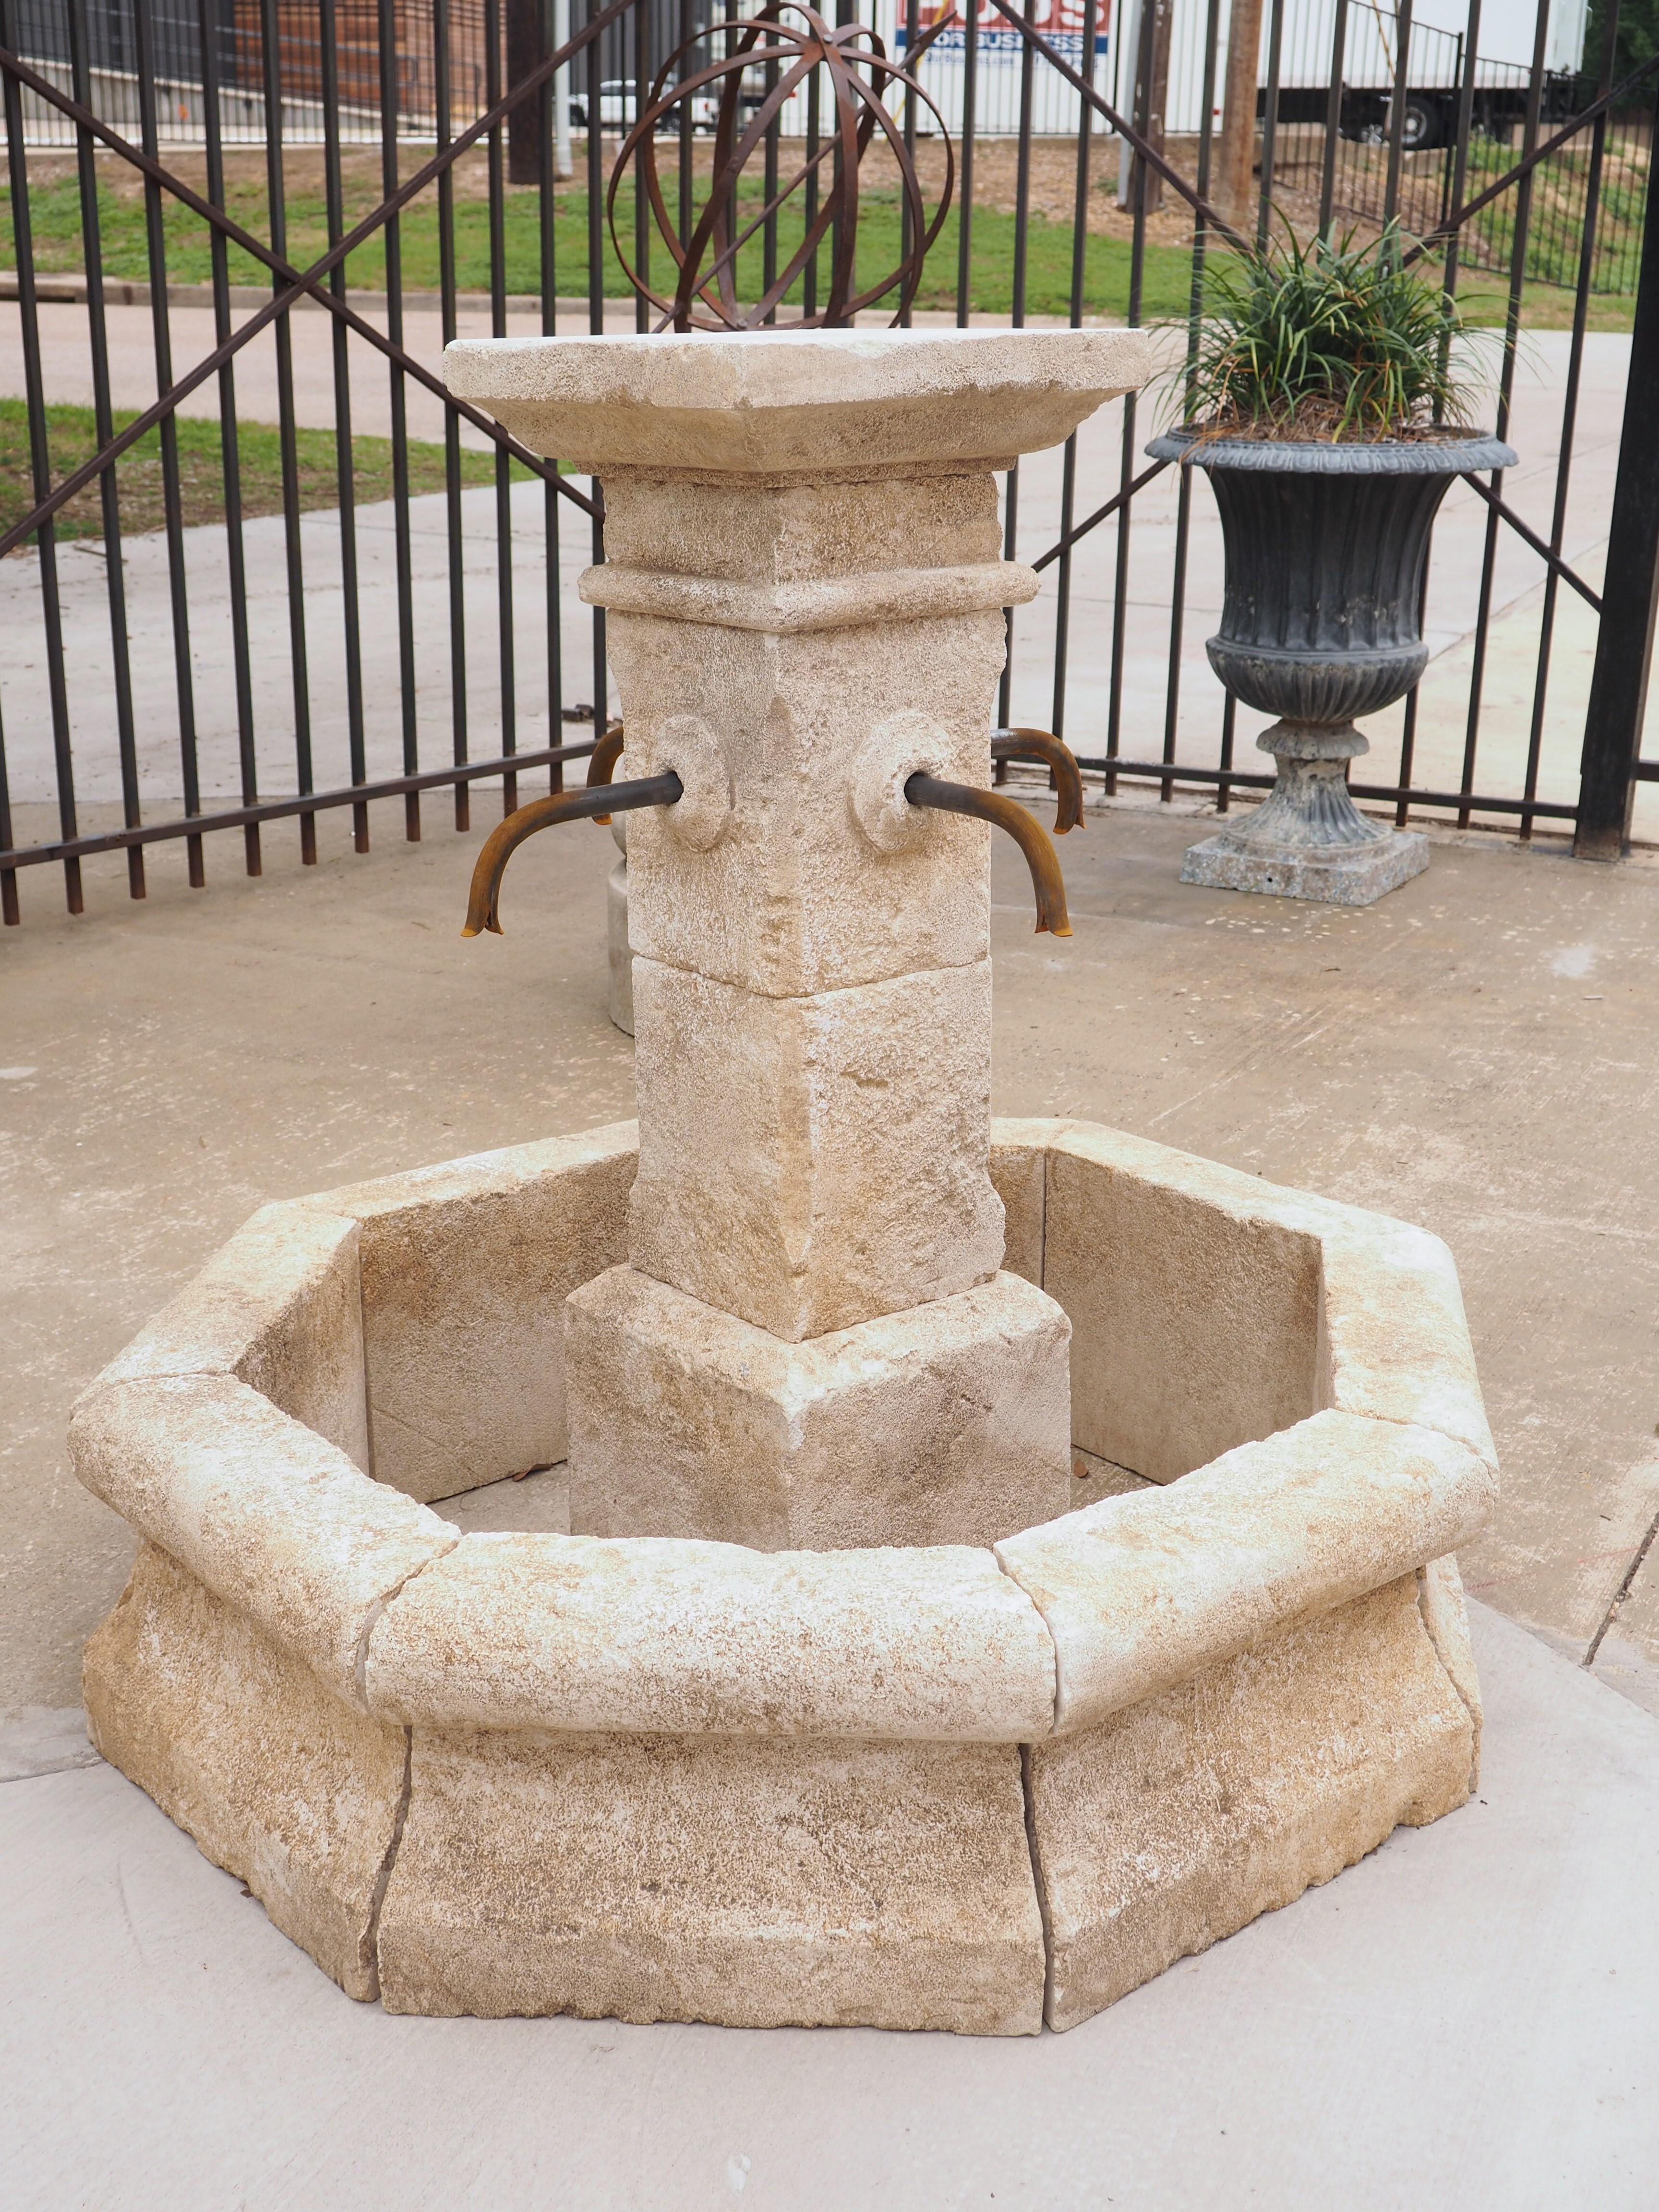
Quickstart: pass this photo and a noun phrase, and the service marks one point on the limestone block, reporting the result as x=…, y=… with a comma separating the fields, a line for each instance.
x=619, y=993
x=1395, y=1341
x=278, y=1307
x=1142, y=1591
x=241, y=1744
x=794, y=898
x=808, y=1164
x=752, y=1882
x=1446, y=1617
x=1185, y=1816
x=1019, y=1173
x=575, y=1632
x=795, y=531
x=1194, y=1295
x=274, y=1519
x=762, y=402
x=947, y=1424
x=466, y=1269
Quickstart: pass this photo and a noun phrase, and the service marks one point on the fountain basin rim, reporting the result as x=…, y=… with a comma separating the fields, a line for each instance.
x=403, y=1617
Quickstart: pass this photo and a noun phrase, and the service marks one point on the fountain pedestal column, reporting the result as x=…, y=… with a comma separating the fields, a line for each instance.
x=812, y=1342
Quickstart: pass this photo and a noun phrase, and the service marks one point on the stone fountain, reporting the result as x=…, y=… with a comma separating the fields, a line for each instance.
x=1004, y=1558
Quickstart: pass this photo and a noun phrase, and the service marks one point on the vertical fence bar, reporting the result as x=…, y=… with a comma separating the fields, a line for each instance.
x=1145, y=45
x=1270, y=122
x=1022, y=218
x=1194, y=322
x=769, y=186
x=391, y=105
x=92, y=255
x=167, y=431
x=230, y=451
x=1624, y=645
x=912, y=32
x=688, y=123
x=596, y=322
x=1570, y=410
x=547, y=148
x=643, y=75
x=1334, y=116
x=1467, y=59
x=283, y=335
x=40, y=469
x=965, y=164
x=454, y=529
x=1505, y=389
x=1085, y=125
x=344, y=466
x=495, y=174
x=1402, y=24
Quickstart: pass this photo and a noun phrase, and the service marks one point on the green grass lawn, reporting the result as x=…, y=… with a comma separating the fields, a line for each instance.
x=72, y=440
x=55, y=214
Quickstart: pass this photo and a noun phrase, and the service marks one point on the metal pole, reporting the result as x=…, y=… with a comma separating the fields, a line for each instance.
x=1623, y=648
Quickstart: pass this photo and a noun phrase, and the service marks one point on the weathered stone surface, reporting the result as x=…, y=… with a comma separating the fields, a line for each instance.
x=1342, y=875
x=751, y=1881
x=1446, y=1617
x=1187, y=1815
x=523, y=1631
x=240, y=1743
x=1019, y=1173
x=808, y=1164
x=1193, y=1294
x=466, y=1269
x=278, y=1307
x=274, y=1519
x=946, y=1424
x=1395, y=1341
x=762, y=402
x=794, y=898
x=1141, y=1592
x=619, y=994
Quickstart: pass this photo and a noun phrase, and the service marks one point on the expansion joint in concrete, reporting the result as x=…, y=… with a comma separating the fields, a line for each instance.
x=1623, y=1591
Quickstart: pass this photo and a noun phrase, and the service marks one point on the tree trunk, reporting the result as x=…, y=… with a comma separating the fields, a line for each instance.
x=1235, y=190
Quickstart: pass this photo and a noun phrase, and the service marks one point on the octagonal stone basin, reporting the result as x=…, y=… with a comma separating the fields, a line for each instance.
x=475, y=1770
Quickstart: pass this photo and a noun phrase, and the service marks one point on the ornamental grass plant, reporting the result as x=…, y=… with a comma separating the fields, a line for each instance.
x=1330, y=340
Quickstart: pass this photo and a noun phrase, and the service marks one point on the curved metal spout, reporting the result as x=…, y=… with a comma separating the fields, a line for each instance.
x=602, y=762
x=1007, y=814
x=597, y=804
x=1043, y=745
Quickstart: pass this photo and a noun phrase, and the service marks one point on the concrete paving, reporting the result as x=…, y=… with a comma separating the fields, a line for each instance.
x=1465, y=2019
x=1478, y=1052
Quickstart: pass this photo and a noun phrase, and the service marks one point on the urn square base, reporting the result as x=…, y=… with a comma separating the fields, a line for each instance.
x=1336, y=875
x=946, y=1424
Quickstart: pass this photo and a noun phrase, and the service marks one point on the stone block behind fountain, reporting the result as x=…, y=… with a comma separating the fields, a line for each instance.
x=811, y=1341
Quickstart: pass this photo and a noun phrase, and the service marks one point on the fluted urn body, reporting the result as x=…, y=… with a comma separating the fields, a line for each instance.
x=1326, y=551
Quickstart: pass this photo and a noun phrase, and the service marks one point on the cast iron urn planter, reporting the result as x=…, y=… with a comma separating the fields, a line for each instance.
x=1321, y=621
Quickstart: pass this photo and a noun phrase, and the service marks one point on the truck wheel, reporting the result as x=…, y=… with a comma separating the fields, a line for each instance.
x=1424, y=125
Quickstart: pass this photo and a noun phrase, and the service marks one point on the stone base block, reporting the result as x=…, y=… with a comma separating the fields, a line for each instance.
x=241, y=1745
x=948, y=1424
x=755, y=1882
x=619, y=994
x=1335, y=875
x=1180, y=1819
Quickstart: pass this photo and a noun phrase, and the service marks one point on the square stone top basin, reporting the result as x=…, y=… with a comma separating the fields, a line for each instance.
x=975, y=1787
x=783, y=403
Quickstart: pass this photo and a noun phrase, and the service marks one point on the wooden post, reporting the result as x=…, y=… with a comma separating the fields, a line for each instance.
x=1234, y=191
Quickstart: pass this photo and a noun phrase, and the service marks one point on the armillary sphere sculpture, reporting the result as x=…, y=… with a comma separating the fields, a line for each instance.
x=860, y=75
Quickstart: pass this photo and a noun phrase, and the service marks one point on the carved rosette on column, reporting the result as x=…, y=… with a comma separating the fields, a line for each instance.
x=811, y=1341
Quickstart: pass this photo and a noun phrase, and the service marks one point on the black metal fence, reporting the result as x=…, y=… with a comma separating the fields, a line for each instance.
x=256, y=549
